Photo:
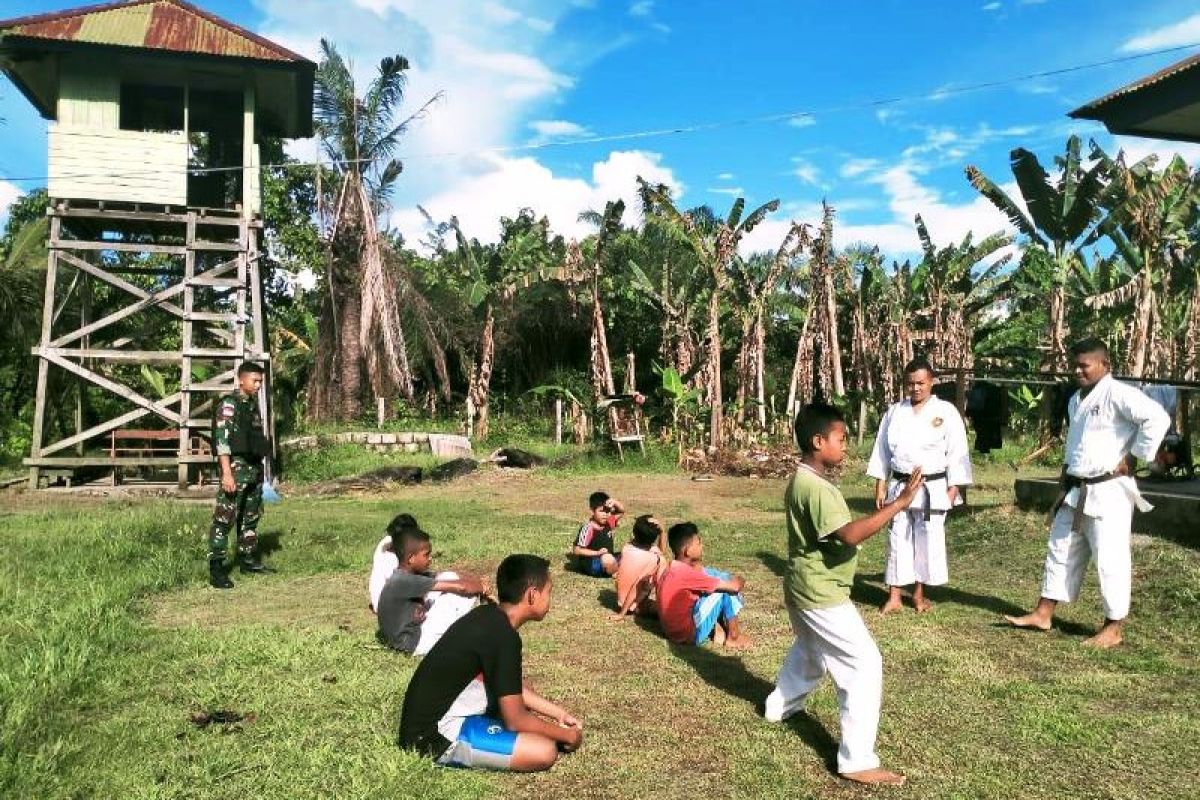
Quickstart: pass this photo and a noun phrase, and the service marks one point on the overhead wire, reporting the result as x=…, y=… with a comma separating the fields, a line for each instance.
x=696, y=127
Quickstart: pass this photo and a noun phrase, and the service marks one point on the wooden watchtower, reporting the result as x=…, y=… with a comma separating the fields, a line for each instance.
x=153, y=287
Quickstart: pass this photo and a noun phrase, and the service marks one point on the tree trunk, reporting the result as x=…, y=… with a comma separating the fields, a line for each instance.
x=602, y=378
x=480, y=383
x=1139, y=331
x=716, y=419
x=745, y=367
x=760, y=369
x=349, y=359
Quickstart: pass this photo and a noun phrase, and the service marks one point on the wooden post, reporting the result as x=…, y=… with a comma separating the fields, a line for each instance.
x=380, y=411
x=185, y=365
x=630, y=374
x=39, y=402
x=558, y=416
x=85, y=313
x=862, y=420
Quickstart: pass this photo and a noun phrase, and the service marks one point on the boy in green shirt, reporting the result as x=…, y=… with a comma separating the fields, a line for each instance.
x=830, y=635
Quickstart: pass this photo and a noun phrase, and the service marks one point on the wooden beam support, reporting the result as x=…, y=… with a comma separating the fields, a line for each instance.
x=122, y=247
x=114, y=387
x=113, y=280
x=106, y=426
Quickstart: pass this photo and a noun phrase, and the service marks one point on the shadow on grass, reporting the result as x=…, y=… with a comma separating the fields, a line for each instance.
x=269, y=542
x=871, y=590
x=728, y=674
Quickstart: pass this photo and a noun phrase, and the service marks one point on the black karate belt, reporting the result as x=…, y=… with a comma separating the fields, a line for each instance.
x=1070, y=482
x=934, y=476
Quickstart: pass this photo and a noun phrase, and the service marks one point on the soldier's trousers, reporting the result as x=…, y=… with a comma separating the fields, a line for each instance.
x=238, y=511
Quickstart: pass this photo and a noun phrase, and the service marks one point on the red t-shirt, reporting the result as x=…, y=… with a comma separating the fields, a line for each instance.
x=678, y=589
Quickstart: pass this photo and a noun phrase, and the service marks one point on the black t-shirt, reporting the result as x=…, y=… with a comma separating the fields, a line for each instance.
x=402, y=609
x=482, y=644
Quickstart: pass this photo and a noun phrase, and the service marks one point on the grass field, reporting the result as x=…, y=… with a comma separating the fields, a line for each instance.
x=110, y=642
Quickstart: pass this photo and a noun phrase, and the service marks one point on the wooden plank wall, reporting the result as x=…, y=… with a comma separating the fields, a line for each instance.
x=126, y=166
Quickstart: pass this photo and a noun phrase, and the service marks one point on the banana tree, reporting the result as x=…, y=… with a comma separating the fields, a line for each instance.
x=817, y=367
x=1150, y=214
x=754, y=282
x=608, y=224
x=716, y=248
x=956, y=292
x=1058, y=217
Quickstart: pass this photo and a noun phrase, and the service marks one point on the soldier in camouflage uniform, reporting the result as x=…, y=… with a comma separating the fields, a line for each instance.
x=241, y=445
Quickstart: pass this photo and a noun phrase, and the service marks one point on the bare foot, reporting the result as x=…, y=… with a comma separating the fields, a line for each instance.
x=740, y=643
x=922, y=605
x=1106, y=638
x=875, y=777
x=892, y=605
x=1030, y=621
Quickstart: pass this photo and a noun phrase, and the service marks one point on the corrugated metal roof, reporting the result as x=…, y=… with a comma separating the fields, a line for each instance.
x=1186, y=64
x=172, y=25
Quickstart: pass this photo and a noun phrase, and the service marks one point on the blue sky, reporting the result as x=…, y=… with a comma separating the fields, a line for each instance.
x=520, y=76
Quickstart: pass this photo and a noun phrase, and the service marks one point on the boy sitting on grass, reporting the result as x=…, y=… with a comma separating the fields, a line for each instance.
x=696, y=603
x=467, y=705
x=831, y=637
x=593, y=548
x=415, y=607
x=639, y=567
x=384, y=560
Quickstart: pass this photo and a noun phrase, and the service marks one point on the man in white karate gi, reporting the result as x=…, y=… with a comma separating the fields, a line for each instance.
x=1107, y=423
x=926, y=432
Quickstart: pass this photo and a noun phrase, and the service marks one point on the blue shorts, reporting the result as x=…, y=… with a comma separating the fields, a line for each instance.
x=482, y=743
x=713, y=608
x=593, y=566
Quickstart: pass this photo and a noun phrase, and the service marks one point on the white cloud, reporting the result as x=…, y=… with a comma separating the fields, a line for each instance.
x=802, y=121
x=500, y=13
x=855, y=167
x=641, y=8
x=726, y=176
x=9, y=192
x=1180, y=33
x=496, y=72
x=553, y=129
x=510, y=184
x=991, y=7
x=732, y=191
x=1136, y=149
x=806, y=171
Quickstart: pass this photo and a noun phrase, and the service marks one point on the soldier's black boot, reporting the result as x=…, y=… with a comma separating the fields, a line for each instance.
x=217, y=577
x=250, y=562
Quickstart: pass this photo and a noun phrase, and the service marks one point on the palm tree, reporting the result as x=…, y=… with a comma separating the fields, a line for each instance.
x=361, y=327
x=1058, y=218
x=716, y=249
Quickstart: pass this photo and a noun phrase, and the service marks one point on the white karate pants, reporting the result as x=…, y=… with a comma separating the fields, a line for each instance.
x=835, y=641
x=443, y=609
x=916, y=550
x=1106, y=538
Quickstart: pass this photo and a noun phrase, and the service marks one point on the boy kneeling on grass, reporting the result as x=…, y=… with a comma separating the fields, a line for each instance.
x=830, y=635
x=467, y=705
x=698, y=603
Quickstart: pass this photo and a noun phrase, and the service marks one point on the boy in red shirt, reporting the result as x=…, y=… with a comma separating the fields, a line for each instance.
x=696, y=603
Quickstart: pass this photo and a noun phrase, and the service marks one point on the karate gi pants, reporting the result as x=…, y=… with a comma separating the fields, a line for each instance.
x=442, y=610
x=916, y=550
x=835, y=641
x=1107, y=539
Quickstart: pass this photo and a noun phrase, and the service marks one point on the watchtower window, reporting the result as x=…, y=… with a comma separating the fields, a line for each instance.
x=151, y=108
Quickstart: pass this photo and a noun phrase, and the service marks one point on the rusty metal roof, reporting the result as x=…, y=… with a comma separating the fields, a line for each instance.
x=170, y=25
x=1088, y=110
